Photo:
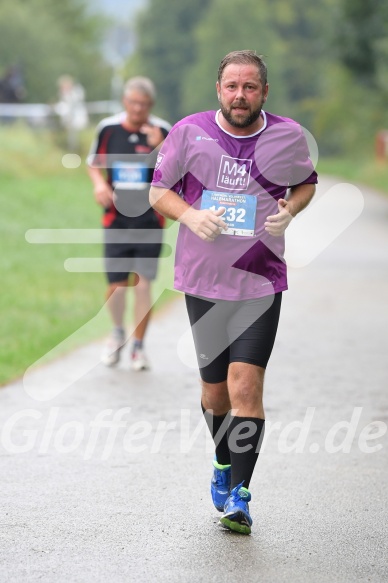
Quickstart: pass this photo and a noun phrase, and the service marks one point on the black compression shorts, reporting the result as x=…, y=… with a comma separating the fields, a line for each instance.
x=232, y=331
x=123, y=257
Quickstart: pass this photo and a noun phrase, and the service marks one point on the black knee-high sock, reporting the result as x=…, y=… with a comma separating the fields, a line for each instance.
x=214, y=423
x=245, y=435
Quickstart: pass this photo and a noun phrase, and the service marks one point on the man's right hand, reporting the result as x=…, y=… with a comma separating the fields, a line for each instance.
x=103, y=194
x=206, y=224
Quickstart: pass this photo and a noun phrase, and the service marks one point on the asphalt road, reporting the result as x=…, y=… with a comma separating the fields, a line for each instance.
x=104, y=473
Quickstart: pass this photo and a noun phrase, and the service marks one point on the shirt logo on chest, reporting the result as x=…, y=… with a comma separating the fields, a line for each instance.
x=234, y=173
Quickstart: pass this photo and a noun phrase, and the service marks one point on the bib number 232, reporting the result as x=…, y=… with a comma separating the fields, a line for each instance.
x=240, y=213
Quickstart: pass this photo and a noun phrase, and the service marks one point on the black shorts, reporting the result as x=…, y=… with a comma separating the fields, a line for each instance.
x=232, y=331
x=124, y=255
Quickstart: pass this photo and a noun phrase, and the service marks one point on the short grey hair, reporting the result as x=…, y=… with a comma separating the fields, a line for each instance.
x=244, y=58
x=141, y=84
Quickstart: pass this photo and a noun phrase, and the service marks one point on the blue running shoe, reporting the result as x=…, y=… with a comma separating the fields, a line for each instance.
x=220, y=485
x=236, y=511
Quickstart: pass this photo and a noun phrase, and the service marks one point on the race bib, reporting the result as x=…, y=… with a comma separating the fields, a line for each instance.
x=129, y=175
x=240, y=213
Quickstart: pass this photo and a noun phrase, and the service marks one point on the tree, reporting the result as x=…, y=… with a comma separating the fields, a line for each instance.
x=48, y=38
x=292, y=36
x=317, y=53
x=220, y=32
x=362, y=27
x=356, y=76
x=165, y=49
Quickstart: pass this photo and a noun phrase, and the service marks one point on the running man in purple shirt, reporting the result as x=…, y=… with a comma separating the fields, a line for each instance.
x=234, y=179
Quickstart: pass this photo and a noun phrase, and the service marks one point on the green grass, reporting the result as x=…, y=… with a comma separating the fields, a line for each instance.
x=41, y=304
x=366, y=171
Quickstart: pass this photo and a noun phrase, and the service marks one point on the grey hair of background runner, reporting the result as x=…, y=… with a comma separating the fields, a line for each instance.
x=244, y=58
x=141, y=84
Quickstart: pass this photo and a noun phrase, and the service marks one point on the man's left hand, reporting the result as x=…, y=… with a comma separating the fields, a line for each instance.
x=153, y=133
x=277, y=224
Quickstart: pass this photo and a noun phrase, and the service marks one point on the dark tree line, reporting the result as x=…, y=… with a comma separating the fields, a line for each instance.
x=49, y=38
x=328, y=60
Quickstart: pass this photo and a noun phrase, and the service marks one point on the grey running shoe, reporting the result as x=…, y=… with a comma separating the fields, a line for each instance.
x=139, y=360
x=111, y=351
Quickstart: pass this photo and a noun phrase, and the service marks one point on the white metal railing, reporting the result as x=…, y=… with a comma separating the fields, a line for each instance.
x=41, y=111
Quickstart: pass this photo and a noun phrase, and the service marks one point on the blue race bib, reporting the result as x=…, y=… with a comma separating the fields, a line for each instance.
x=240, y=213
x=130, y=175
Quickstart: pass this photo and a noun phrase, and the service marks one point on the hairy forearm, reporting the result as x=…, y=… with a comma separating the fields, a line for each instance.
x=95, y=175
x=168, y=203
x=205, y=223
x=299, y=197
x=102, y=191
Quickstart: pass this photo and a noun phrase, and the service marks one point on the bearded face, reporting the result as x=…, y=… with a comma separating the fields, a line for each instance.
x=241, y=95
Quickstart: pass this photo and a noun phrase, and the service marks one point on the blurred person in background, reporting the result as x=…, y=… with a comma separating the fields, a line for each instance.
x=121, y=163
x=12, y=88
x=71, y=109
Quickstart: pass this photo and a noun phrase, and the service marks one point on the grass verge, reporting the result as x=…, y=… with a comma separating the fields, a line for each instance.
x=365, y=171
x=41, y=304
